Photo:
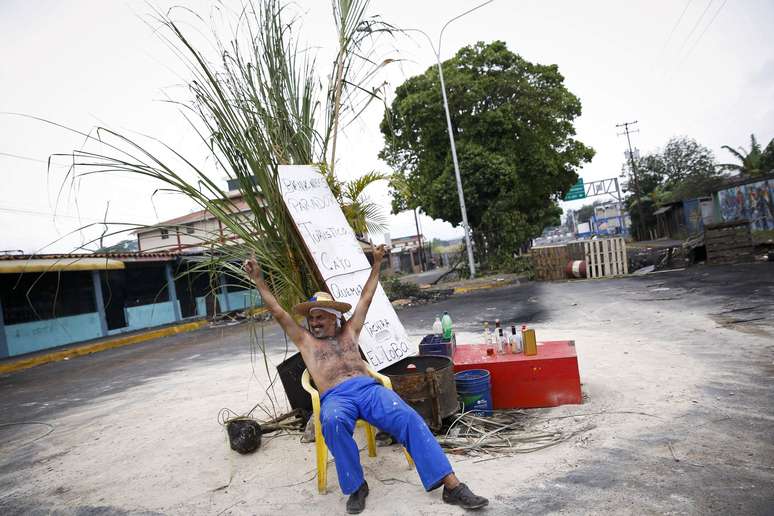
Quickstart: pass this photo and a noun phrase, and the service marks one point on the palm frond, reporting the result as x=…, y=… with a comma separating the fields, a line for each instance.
x=736, y=153
x=355, y=188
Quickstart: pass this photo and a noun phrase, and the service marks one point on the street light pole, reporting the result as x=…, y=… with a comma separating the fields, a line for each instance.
x=450, y=130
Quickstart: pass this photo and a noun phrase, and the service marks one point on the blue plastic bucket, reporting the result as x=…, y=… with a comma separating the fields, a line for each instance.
x=474, y=388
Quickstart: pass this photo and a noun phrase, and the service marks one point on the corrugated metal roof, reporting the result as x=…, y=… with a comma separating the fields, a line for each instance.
x=137, y=256
x=84, y=263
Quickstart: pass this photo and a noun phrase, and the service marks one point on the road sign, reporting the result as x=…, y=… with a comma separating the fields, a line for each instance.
x=576, y=192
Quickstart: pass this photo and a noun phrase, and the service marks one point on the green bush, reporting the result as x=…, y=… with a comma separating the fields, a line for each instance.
x=396, y=289
x=508, y=264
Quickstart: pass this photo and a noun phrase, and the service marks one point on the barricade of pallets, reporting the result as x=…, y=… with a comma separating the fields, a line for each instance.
x=604, y=257
x=550, y=262
x=729, y=242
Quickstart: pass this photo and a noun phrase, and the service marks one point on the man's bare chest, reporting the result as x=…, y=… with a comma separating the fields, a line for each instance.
x=335, y=350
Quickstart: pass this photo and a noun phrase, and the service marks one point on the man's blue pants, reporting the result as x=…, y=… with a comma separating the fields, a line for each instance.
x=363, y=397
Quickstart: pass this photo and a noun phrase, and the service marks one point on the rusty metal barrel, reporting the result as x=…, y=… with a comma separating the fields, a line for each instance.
x=427, y=384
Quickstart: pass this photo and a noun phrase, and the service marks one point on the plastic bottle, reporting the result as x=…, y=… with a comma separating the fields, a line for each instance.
x=437, y=328
x=446, y=325
x=516, y=345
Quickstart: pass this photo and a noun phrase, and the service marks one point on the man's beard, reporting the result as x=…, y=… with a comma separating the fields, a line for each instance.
x=321, y=332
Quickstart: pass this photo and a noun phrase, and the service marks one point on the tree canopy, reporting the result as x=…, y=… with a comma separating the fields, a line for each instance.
x=513, y=127
x=755, y=162
x=682, y=169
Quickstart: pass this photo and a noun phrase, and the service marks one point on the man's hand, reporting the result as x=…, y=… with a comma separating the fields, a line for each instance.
x=378, y=252
x=253, y=270
x=297, y=334
x=357, y=320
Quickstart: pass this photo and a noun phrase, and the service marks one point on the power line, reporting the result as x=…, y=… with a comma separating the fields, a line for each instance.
x=695, y=43
x=695, y=26
x=17, y=156
x=53, y=164
x=677, y=23
x=84, y=218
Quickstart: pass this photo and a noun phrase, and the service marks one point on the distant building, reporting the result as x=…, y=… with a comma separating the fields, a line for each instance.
x=406, y=255
x=192, y=232
x=48, y=301
x=53, y=300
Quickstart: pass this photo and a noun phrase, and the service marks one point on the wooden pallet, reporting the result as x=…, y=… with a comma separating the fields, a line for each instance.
x=550, y=262
x=606, y=257
x=729, y=242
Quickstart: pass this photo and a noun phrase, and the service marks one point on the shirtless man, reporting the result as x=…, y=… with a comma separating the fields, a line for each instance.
x=330, y=351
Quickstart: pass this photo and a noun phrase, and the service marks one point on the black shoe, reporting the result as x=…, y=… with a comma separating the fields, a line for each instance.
x=464, y=497
x=356, y=502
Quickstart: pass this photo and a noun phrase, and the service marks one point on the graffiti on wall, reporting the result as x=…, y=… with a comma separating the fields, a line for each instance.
x=754, y=202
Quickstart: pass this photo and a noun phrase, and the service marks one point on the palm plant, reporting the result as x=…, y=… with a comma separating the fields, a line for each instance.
x=750, y=162
x=363, y=215
x=354, y=67
x=257, y=107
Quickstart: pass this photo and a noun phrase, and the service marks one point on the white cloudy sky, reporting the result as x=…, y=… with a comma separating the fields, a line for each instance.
x=92, y=62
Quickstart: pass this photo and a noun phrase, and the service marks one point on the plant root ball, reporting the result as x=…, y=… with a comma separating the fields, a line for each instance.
x=244, y=435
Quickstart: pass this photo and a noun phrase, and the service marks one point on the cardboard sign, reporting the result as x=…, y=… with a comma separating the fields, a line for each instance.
x=341, y=262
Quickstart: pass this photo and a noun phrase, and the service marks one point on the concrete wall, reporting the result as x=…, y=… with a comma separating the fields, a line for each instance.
x=146, y=316
x=151, y=241
x=36, y=335
x=201, y=306
x=239, y=300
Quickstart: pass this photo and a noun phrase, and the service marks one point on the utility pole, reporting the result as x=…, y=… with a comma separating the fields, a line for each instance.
x=626, y=132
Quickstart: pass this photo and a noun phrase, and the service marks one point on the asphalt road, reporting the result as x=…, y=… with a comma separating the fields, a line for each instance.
x=728, y=435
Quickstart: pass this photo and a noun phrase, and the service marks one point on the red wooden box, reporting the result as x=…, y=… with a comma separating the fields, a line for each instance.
x=547, y=379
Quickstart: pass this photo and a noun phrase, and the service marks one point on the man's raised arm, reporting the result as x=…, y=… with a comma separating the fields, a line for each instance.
x=358, y=318
x=296, y=333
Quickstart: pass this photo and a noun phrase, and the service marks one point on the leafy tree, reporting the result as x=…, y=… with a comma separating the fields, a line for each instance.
x=584, y=213
x=683, y=169
x=513, y=123
x=753, y=163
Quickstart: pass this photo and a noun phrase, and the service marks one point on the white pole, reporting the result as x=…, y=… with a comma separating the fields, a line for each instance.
x=450, y=130
x=457, y=176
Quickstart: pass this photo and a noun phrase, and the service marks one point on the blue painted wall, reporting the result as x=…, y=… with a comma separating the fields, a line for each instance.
x=201, y=306
x=146, y=316
x=240, y=300
x=36, y=335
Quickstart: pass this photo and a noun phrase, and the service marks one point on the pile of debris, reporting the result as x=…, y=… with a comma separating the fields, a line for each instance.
x=507, y=432
x=423, y=297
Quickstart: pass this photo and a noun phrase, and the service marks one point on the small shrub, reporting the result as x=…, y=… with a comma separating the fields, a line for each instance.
x=509, y=265
x=396, y=289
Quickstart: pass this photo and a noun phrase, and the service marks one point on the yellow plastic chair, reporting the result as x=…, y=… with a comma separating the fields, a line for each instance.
x=321, y=448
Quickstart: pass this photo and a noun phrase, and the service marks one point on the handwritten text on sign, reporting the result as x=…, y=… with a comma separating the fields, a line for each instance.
x=341, y=261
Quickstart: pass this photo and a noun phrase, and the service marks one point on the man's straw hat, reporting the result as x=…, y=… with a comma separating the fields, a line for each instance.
x=320, y=300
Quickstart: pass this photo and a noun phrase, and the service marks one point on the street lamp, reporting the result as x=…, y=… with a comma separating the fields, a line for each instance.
x=437, y=52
